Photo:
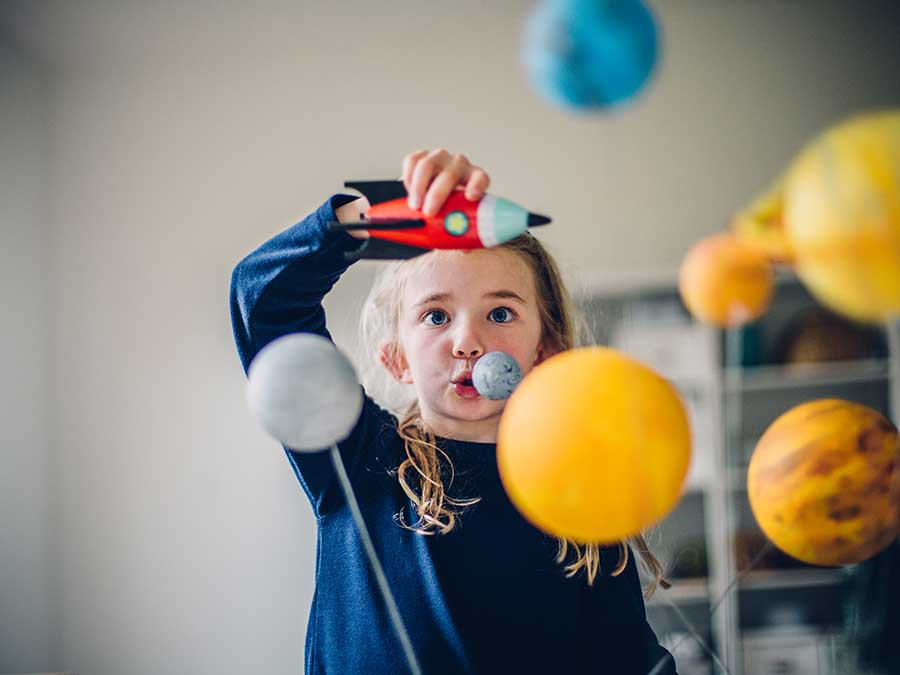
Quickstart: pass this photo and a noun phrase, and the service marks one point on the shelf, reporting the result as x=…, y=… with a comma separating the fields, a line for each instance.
x=807, y=375
x=697, y=589
x=763, y=580
x=689, y=591
x=689, y=384
x=730, y=408
x=682, y=590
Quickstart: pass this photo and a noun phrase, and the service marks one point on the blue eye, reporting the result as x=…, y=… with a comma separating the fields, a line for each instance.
x=436, y=317
x=502, y=315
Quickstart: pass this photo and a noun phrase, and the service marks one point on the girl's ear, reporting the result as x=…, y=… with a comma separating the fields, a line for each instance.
x=544, y=352
x=392, y=358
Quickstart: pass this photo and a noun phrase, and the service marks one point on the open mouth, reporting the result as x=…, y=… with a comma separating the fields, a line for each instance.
x=464, y=387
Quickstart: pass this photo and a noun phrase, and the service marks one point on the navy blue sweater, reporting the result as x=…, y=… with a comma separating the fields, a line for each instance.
x=486, y=598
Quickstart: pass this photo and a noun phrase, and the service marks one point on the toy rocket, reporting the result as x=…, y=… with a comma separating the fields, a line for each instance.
x=399, y=232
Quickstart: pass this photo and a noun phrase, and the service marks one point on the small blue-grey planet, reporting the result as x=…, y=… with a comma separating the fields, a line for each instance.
x=496, y=375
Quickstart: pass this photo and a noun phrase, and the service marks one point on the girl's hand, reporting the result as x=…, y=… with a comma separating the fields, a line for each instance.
x=352, y=213
x=430, y=177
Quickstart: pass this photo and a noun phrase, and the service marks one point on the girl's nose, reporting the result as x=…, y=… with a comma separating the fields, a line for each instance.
x=467, y=345
x=462, y=353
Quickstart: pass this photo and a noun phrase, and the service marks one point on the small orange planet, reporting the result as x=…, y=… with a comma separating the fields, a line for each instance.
x=725, y=282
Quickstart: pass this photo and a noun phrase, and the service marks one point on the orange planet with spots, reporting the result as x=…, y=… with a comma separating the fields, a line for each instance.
x=824, y=482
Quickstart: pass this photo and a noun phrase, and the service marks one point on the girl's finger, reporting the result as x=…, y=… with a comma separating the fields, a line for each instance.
x=477, y=185
x=455, y=172
x=409, y=164
x=423, y=173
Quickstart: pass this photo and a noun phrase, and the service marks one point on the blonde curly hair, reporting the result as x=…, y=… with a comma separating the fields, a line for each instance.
x=420, y=473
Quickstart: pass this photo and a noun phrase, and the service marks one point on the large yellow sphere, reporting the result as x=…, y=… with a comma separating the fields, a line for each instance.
x=842, y=213
x=725, y=282
x=824, y=482
x=593, y=446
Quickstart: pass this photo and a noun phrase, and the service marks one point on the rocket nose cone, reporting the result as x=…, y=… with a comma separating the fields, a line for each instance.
x=535, y=219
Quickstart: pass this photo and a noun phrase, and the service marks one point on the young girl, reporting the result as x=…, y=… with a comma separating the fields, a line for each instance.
x=480, y=590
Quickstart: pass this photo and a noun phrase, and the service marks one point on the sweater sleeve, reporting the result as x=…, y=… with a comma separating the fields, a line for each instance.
x=278, y=289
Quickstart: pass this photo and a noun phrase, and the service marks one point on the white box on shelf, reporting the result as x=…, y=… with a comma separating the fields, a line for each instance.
x=787, y=651
x=680, y=351
x=702, y=469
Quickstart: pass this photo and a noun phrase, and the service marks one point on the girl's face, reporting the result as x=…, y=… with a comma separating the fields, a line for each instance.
x=455, y=307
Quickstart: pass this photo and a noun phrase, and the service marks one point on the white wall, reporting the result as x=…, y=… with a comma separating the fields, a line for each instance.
x=187, y=133
x=26, y=525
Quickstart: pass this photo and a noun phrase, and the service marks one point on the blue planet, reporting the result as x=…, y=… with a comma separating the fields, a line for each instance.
x=589, y=54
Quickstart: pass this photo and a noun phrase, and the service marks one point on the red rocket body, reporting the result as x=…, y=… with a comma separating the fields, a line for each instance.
x=433, y=233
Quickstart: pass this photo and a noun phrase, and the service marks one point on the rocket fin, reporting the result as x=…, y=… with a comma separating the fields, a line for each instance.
x=382, y=249
x=378, y=191
x=379, y=224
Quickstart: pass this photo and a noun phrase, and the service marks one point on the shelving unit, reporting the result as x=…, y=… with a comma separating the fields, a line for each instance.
x=803, y=578
x=770, y=378
x=734, y=388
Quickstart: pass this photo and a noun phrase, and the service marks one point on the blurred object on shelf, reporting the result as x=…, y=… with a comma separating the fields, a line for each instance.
x=676, y=348
x=690, y=656
x=786, y=614
x=788, y=649
x=816, y=335
x=751, y=345
x=702, y=470
x=689, y=559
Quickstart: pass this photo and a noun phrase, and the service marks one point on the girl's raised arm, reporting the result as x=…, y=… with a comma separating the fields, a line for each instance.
x=278, y=289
